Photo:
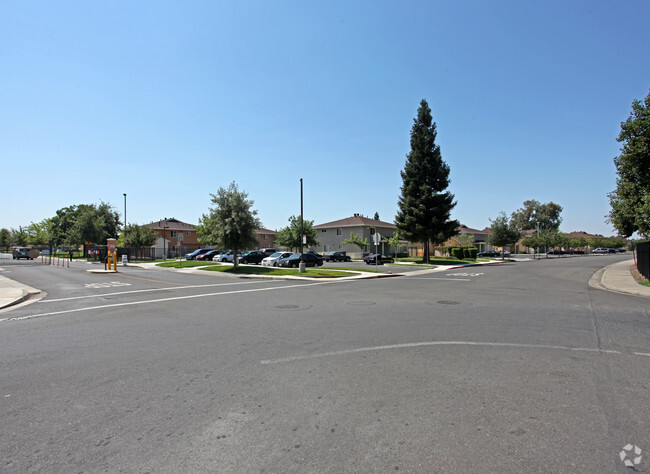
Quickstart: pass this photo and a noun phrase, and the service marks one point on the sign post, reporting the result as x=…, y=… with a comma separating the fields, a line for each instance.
x=376, y=238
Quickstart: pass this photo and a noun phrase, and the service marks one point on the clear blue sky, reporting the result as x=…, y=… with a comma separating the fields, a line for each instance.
x=167, y=101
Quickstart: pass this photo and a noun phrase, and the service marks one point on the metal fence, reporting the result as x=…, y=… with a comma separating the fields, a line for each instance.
x=643, y=258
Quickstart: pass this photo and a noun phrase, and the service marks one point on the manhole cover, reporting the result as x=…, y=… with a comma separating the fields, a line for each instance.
x=361, y=303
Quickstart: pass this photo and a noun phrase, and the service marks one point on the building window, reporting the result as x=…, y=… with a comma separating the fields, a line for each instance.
x=173, y=233
x=339, y=231
x=266, y=237
x=372, y=230
x=326, y=248
x=189, y=233
x=340, y=246
x=323, y=231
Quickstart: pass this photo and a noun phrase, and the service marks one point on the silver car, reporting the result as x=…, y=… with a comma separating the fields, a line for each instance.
x=272, y=260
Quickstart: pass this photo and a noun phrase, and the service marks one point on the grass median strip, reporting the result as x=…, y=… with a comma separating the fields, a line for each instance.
x=310, y=272
x=185, y=264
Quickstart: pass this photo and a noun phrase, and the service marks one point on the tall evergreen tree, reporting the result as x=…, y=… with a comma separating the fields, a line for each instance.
x=425, y=205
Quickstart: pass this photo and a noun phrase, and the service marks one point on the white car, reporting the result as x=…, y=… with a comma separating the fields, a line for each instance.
x=228, y=256
x=272, y=260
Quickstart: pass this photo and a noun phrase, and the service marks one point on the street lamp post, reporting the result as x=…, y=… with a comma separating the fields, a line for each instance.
x=302, y=232
x=127, y=253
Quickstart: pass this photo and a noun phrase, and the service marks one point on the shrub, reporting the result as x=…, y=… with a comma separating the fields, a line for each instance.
x=457, y=252
x=470, y=252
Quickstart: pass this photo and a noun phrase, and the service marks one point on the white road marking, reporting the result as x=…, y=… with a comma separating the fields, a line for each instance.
x=446, y=279
x=149, y=290
x=436, y=343
x=464, y=274
x=109, y=284
x=162, y=300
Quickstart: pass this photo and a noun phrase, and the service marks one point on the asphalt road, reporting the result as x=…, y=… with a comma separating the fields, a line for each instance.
x=512, y=367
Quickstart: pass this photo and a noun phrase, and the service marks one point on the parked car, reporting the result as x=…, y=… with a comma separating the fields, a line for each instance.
x=555, y=252
x=489, y=253
x=254, y=256
x=316, y=254
x=603, y=250
x=268, y=251
x=272, y=260
x=207, y=256
x=21, y=252
x=336, y=257
x=377, y=259
x=228, y=256
x=192, y=255
x=293, y=260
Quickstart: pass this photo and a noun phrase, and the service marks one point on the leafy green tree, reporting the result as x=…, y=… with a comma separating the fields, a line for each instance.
x=290, y=236
x=18, y=236
x=503, y=231
x=537, y=216
x=394, y=241
x=465, y=239
x=231, y=223
x=93, y=223
x=355, y=239
x=543, y=240
x=630, y=201
x=424, y=206
x=39, y=233
x=138, y=236
x=5, y=238
x=78, y=224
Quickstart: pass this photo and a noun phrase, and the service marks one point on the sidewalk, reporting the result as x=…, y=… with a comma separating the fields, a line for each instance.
x=615, y=277
x=12, y=292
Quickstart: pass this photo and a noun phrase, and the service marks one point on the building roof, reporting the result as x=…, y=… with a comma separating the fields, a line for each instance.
x=580, y=233
x=356, y=221
x=171, y=224
x=468, y=230
x=265, y=231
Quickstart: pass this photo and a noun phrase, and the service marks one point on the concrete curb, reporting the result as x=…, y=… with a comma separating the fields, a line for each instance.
x=13, y=293
x=618, y=279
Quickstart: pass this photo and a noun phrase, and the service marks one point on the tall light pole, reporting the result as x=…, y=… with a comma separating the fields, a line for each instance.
x=124, y=219
x=302, y=231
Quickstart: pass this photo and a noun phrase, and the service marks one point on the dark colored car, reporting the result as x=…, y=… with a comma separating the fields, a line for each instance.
x=207, y=256
x=192, y=255
x=488, y=253
x=336, y=257
x=377, y=259
x=21, y=252
x=555, y=252
x=492, y=253
x=254, y=256
x=294, y=260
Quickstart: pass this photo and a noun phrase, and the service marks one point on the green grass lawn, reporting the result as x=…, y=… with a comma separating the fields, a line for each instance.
x=310, y=272
x=644, y=283
x=184, y=264
x=435, y=261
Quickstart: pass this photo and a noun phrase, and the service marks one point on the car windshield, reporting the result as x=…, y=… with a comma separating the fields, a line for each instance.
x=276, y=254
